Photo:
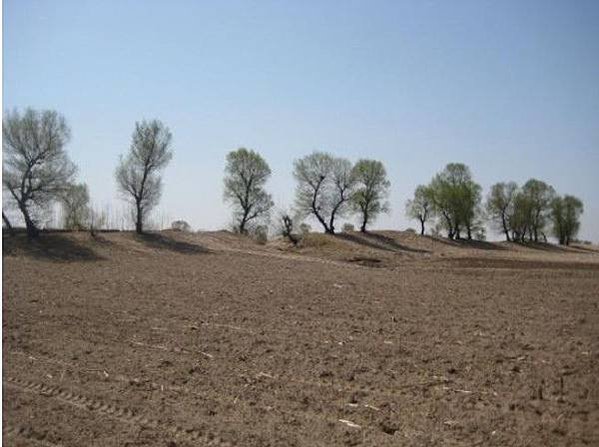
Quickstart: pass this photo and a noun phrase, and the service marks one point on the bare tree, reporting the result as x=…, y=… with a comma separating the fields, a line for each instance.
x=98, y=219
x=36, y=167
x=138, y=174
x=287, y=228
x=246, y=174
x=372, y=190
x=500, y=205
x=420, y=207
x=312, y=174
x=75, y=206
x=325, y=184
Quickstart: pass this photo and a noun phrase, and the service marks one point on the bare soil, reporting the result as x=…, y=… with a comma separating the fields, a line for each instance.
x=384, y=339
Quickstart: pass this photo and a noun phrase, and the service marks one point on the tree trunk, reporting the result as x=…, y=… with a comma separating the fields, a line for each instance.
x=8, y=225
x=505, y=229
x=450, y=230
x=469, y=233
x=332, y=219
x=32, y=231
x=364, y=222
x=139, y=220
x=332, y=222
x=421, y=227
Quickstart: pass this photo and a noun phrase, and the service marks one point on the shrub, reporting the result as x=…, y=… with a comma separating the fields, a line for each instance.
x=305, y=228
x=180, y=225
x=260, y=233
x=347, y=227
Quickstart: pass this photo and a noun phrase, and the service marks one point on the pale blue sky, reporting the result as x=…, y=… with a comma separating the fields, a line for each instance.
x=509, y=87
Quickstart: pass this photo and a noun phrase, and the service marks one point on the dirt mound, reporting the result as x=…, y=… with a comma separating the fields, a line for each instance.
x=399, y=249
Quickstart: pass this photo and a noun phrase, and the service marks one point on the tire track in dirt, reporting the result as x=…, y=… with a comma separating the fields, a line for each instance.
x=338, y=387
x=397, y=392
x=28, y=433
x=121, y=414
x=123, y=378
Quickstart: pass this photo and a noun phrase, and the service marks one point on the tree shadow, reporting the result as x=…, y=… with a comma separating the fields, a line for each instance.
x=163, y=242
x=378, y=241
x=48, y=246
x=465, y=243
x=543, y=246
x=583, y=249
x=519, y=264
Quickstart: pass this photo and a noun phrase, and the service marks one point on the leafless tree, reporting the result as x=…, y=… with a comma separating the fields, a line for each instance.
x=287, y=228
x=36, y=167
x=75, y=206
x=500, y=205
x=138, y=174
x=98, y=219
x=246, y=175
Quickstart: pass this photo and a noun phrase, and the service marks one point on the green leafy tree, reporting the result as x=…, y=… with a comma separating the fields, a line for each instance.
x=372, y=190
x=420, y=207
x=246, y=174
x=539, y=196
x=565, y=215
x=456, y=200
x=520, y=217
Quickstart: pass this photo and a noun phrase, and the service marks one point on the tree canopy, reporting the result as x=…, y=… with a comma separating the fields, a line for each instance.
x=455, y=198
x=565, y=215
x=138, y=173
x=420, y=207
x=372, y=189
x=246, y=174
x=325, y=185
x=36, y=167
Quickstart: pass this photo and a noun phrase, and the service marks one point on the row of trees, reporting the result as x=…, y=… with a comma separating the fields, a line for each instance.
x=38, y=172
x=328, y=188
x=453, y=200
x=526, y=212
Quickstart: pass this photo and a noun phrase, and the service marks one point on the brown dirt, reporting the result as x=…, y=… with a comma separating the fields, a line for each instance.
x=385, y=339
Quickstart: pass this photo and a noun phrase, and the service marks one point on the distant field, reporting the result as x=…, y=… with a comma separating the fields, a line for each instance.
x=385, y=339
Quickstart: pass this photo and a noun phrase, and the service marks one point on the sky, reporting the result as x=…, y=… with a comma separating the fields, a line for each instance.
x=510, y=88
